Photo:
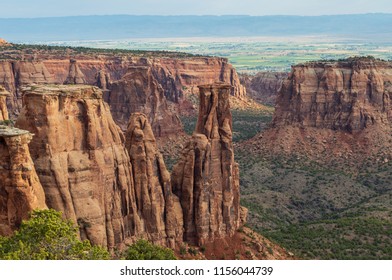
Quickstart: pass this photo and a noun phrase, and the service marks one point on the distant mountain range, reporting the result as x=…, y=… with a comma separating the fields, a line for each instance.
x=378, y=26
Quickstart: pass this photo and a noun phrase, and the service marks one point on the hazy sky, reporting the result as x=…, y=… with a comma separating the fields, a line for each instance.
x=44, y=8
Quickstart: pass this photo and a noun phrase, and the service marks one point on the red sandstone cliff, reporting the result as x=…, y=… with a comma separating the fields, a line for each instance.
x=139, y=91
x=176, y=76
x=349, y=95
x=327, y=109
x=81, y=161
x=20, y=190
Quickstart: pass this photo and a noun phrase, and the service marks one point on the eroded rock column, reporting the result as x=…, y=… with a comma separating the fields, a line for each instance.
x=206, y=179
x=158, y=207
x=20, y=189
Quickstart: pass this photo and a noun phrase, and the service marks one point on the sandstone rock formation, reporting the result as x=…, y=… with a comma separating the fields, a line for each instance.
x=206, y=178
x=264, y=86
x=103, y=80
x=158, y=207
x=3, y=104
x=139, y=91
x=75, y=76
x=348, y=95
x=175, y=75
x=334, y=110
x=20, y=189
x=81, y=162
x=35, y=72
x=181, y=76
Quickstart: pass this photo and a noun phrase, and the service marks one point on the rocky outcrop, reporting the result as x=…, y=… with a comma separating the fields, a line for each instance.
x=20, y=189
x=206, y=178
x=182, y=76
x=264, y=86
x=3, y=104
x=332, y=111
x=81, y=161
x=35, y=72
x=348, y=95
x=158, y=207
x=139, y=91
x=3, y=43
x=103, y=80
x=75, y=76
x=176, y=74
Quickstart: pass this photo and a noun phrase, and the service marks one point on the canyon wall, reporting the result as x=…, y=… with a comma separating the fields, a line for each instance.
x=115, y=189
x=20, y=189
x=206, y=178
x=333, y=110
x=348, y=95
x=173, y=76
x=264, y=86
x=139, y=91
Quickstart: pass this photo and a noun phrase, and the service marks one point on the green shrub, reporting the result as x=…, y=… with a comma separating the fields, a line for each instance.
x=144, y=250
x=46, y=236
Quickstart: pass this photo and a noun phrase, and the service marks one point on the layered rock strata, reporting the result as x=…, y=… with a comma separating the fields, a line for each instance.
x=81, y=161
x=206, y=178
x=348, y=95
x=176, y=76
x=159, y=209
x=139, y=91
x=20, y=189
x=333, y=110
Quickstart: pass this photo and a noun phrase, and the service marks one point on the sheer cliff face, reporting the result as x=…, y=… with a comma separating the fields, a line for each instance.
x=139, y=91
x=20, y=189
x=348, y=96
x=174, y=77
x=158, y=207
x=264, y=86
x=81, y=161
x=180, y=75
x=206, y=178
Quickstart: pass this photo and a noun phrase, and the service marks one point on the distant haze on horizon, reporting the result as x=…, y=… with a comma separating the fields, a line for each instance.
x=50, y=8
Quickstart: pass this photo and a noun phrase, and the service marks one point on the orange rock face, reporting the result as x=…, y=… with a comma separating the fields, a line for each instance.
x=3, y=104
x=139, y=91
x=158, y=207
x=333, y=110
x=81, y=161
x=180, y=75
x=20, y=189
x=174, y=77
x=349, y=95
x=206, y=178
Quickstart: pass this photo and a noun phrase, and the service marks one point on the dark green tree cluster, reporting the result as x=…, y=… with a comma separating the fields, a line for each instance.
x=46, y=236
x=144, y=250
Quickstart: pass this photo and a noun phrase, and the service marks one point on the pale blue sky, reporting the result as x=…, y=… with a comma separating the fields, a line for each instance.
x=44, y=8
